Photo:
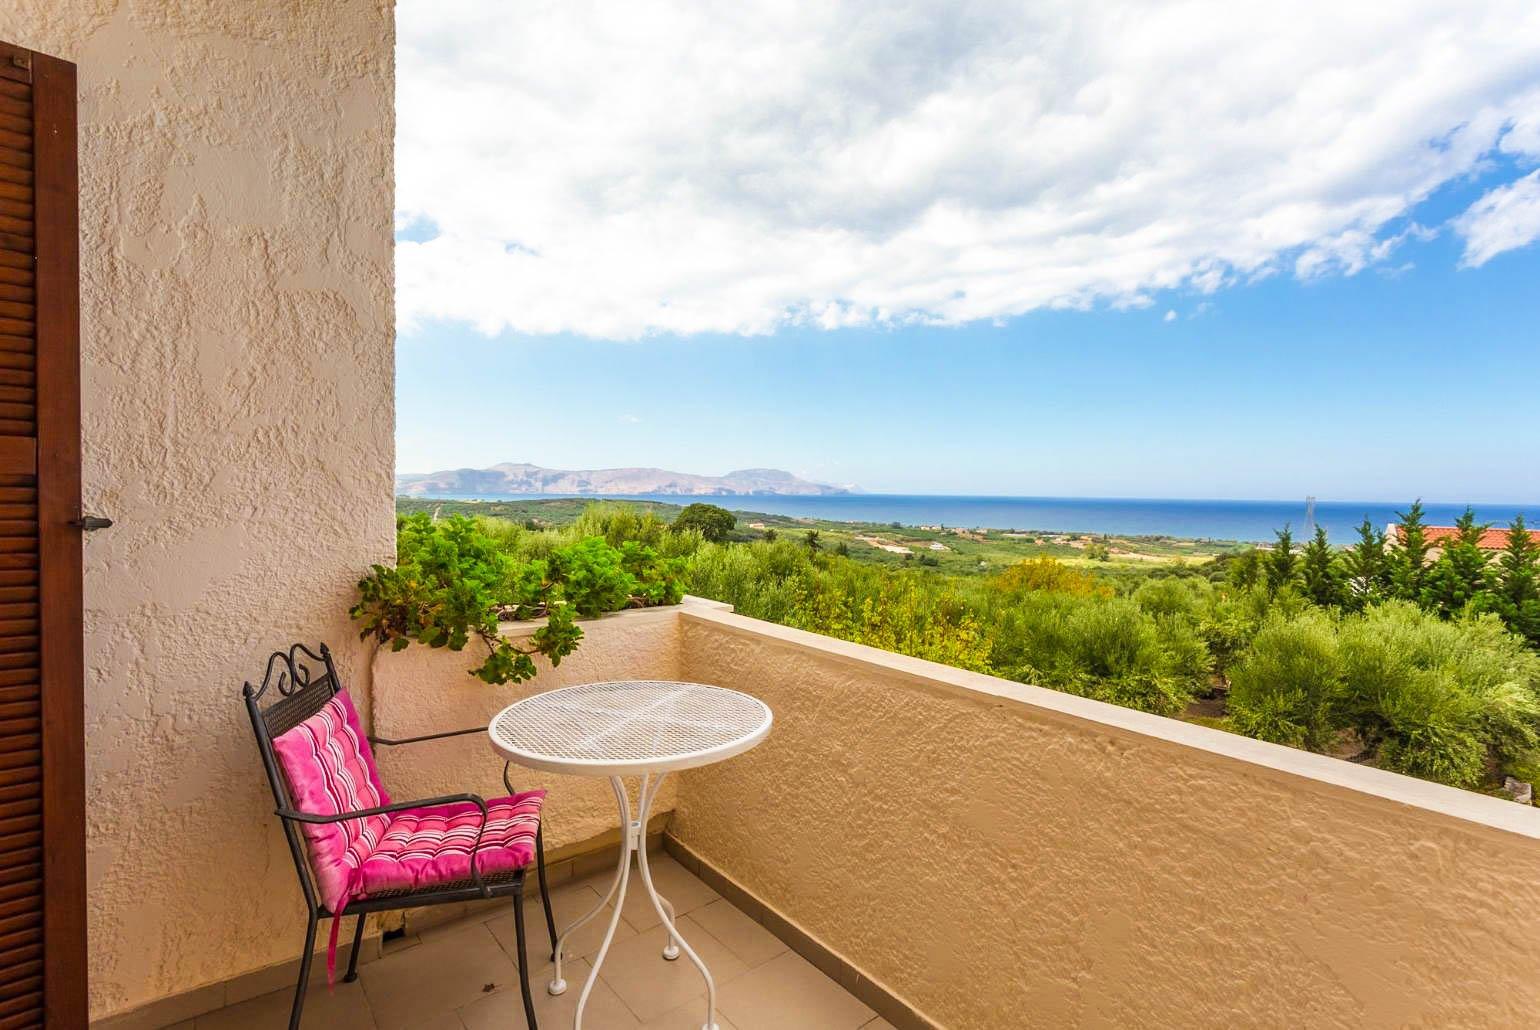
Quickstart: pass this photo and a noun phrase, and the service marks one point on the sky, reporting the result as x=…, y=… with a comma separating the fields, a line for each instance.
x=1090, y=249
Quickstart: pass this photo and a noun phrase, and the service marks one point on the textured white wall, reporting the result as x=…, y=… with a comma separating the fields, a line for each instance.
x=237, y=337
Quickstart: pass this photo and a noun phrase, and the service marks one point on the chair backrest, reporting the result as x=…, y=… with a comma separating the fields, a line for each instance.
x=300, y=692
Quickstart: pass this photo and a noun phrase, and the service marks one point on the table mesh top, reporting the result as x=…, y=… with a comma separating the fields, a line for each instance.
x=630, y=721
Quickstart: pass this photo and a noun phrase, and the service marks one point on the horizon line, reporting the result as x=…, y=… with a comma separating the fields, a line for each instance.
x=1302, y=501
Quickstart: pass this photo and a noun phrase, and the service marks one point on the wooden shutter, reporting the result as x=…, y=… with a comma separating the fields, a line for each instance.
x=42, y=837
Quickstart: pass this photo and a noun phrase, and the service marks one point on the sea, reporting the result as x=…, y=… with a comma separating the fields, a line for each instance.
x=1119, y=516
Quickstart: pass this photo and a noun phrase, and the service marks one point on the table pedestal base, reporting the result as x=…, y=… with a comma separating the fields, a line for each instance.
x=633, y=842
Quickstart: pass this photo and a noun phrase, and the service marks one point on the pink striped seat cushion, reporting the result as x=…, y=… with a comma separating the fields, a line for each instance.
x=432, y=845
x=330, y=770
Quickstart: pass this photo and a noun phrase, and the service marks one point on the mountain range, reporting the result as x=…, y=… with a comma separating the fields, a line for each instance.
x=520, y=478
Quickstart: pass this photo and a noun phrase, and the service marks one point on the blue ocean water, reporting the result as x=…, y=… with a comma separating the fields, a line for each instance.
x=1212, y=520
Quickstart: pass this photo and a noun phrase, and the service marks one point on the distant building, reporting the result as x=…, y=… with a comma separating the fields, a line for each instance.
x=1492, y=540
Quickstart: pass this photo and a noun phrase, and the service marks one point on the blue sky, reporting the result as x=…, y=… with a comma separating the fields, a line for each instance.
x=1368, y=332
x=1379, y=386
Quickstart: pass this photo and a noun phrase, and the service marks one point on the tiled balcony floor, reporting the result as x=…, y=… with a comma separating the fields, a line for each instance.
x=461, y=976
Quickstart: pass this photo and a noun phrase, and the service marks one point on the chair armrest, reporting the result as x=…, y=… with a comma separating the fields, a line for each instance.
x=394, y=806
x=389, y=742
x=401, y=806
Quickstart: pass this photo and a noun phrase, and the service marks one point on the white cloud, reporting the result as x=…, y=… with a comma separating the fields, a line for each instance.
x=1507, y=217
x=1504, y=219
x=1169, y=316
x=1352, y=250
x=615, y=170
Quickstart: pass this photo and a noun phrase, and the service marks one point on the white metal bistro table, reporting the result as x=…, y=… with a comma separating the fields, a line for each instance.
x=646, y=728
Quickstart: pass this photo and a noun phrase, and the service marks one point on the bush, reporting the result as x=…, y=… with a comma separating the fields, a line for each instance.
x=1446, y=701
x=1284, y=687
x=1045, y=573
x=455, y=578
x=1105, y=648
x=593, y=578
x=450, y=583
x=1169, y=596
x=763, y=580
x=1454, y=702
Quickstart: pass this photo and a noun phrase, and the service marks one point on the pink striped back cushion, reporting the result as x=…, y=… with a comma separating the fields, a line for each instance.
x=330, y=770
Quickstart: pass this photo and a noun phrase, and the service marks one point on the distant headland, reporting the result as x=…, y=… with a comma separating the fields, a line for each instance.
x=512, y=478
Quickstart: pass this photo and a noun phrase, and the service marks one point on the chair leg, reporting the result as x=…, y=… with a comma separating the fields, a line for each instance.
x=358, y=940
x=304, y=974
x=518, y=933
x=545, y=891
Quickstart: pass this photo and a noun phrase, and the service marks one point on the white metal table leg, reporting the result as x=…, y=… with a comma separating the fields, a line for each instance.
x=671, y=949
x=644, y=799
x=645, y=803
x=633, y=841
x=627, y=827
x=557, y=984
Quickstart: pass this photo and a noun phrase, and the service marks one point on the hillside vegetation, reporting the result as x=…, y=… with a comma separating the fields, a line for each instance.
x=1371, y=654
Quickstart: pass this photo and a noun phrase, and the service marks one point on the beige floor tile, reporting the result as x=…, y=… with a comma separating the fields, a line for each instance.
x=396, y=944
x=567, y=903
x=447, y=1021
x=505, y=1009
x=437, y=976
x=651, y=986
x=689, y=1016
x=344, y=1007
x=676, y=883
x=879, y=1024
x=743, y=937
x=459, y=924
x=787, y=991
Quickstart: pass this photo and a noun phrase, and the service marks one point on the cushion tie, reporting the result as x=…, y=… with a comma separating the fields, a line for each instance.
x=354, y=879
x=331, y=947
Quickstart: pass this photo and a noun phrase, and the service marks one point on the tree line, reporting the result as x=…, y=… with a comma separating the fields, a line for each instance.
x=1463, y=579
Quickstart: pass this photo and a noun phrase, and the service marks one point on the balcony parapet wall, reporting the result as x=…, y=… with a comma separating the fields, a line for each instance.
x=995, y=854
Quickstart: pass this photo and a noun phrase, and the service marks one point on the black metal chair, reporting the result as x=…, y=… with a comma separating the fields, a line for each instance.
x=301, y=694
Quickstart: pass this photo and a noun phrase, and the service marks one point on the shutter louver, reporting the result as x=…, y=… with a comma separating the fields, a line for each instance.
x=21, y=753
x=41, y=923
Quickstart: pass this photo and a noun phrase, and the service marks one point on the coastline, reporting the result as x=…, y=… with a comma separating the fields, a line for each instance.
x=1221, y=521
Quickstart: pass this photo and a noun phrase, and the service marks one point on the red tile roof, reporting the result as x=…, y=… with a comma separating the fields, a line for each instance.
x=1494, y=539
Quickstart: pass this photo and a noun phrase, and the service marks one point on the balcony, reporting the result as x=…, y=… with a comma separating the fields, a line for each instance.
x=931, y=847
x=943, y=848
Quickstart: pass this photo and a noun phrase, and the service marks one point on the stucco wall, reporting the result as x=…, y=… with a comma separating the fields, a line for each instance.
x=1000, y=855
x=421, y=691
x=237, y=336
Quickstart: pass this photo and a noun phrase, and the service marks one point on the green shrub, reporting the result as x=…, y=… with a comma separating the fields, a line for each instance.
x=1105, y=648
x=450, y=583
x=1283, y=688
x=1454, y=702
x=455, y=578
x=1170, y=596
x=1446, y=701
x=593, y=578
x=763, y=580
